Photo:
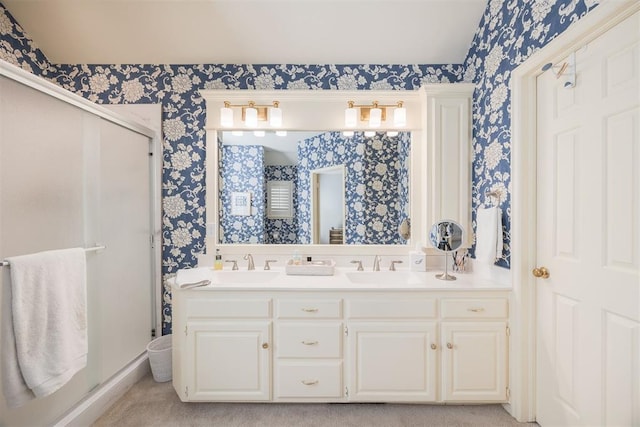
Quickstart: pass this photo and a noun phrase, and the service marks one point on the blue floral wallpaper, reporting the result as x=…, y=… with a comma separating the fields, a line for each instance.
x=375, y=197
x=242, y=170
x=509, y=32
x=282, y=231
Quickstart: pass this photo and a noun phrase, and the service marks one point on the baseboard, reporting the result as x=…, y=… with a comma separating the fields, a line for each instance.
x=88, y=410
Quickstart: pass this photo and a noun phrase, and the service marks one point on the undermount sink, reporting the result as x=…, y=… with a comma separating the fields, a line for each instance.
x=384, y=277
x=246, y=276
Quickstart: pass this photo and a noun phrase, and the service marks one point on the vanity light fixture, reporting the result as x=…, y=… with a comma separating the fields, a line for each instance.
x=252, y=113
x=259, y=133
x=375, y=114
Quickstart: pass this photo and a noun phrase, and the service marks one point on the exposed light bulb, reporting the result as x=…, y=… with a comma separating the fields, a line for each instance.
x=281, y=133
x=350, y=116
x=250, y=117
x=400, y=116
x=348, y=133
x=275, y=115
x=259, y=133
x=226, y=116
x=237, y=133
x=375, y=117
x=369, y=133
x=392, y=133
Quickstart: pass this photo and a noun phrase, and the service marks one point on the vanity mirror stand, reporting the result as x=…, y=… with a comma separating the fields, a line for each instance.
x=446, y=236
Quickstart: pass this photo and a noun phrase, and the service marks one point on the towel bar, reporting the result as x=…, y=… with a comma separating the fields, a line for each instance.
x=92, y=249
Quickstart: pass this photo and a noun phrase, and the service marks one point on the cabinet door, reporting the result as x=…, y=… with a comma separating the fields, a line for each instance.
x=392, y=361
x=474, y=361
x=228, y=360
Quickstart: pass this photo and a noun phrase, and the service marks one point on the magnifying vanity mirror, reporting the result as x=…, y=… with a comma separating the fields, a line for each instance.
x=314, y=187
x=446, y=236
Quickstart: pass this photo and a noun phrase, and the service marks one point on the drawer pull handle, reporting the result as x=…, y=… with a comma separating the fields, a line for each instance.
x=309, y=382
x=310, y=310
x=433, y=346
x=476, y=309
x=310, y=342
x=449, y=345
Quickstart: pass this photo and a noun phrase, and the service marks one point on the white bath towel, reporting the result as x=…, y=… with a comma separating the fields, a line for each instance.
x=489, y=239
x=49, y=317
x=193, y=277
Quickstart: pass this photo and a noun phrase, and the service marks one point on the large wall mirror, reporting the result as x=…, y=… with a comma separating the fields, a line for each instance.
x=320, y=189
x=314, y=187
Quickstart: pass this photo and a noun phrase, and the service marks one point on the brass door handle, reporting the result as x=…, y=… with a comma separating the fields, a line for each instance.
x=541, y=272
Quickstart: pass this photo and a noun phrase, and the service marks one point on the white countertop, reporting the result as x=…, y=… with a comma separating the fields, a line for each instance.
x=347, y=279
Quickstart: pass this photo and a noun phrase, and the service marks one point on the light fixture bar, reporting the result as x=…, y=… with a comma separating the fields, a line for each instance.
x=252, y=113
x=374, y=113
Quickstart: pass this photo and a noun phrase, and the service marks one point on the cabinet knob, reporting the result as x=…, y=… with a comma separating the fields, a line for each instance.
x=433, y=346
x=449, y=345
x=265, y=345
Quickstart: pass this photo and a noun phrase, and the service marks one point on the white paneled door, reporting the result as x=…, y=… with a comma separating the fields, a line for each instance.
x=588, y=231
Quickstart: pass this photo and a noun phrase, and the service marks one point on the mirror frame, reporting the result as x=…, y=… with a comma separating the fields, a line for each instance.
x=322, y=110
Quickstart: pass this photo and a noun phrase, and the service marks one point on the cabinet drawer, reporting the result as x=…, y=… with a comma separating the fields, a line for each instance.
x=229, y=308
x=309, y=379
x=309, y=340
x=475, y=308
x=414, y=308
x=309, y=309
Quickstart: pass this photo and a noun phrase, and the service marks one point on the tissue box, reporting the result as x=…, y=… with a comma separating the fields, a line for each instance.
x=417, y=261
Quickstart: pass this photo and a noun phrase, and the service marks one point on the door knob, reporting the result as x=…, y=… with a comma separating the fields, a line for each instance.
x=541, y=272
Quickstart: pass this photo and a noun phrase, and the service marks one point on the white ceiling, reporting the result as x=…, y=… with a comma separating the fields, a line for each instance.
x=250, y=31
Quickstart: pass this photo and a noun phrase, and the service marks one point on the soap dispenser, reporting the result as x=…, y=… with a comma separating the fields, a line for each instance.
x=217, y=264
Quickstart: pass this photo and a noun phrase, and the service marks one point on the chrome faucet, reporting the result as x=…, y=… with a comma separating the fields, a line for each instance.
x=251, y=265
x=359, y=268
x=392, y=267
x=235, y=264
x=376, y=263
x=267, y=263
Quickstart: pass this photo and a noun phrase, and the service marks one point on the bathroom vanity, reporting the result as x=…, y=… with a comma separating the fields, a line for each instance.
x=351, y=337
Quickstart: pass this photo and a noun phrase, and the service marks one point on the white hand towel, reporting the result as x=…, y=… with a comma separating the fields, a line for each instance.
x=489, y=235
x=193, y=277
x=49, y=314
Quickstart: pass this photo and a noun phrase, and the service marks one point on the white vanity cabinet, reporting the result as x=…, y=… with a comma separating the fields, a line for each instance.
x=392, y=348
x=223, y=347
x=474, y=335
x=340, y=346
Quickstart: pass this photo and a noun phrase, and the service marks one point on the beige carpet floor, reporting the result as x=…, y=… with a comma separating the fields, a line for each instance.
x=149, y=403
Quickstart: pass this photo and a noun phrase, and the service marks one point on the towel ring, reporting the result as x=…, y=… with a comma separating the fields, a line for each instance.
x=491, y=195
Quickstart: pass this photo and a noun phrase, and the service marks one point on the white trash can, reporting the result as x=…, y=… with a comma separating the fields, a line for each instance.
x=159, y=351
